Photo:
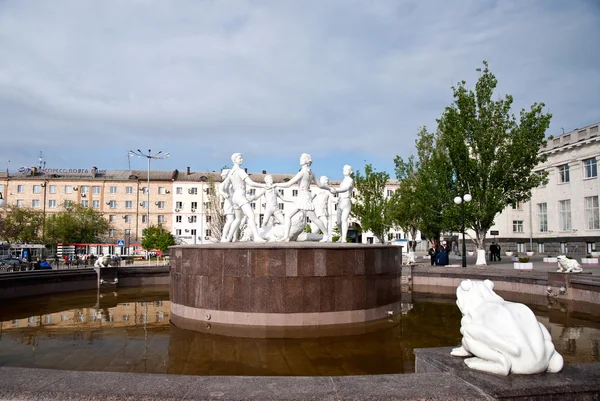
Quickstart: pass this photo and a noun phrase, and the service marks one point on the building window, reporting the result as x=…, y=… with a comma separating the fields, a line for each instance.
x=253, y=205
x=84, y=203
x=179, y=190
x=161, y=218
x=35, y=203
x=85, y=189
x=542, y=184
x=192, y=219
x=144, y=204
x=517, y=226
x=162, y=190
x=68, y=203
x=193, y=191
x=294, y=192
x=144, y=218
x=564, y=209
x=161, y=204
x=280, y=192
x=127, y=231
x=96, y=190
x=390, y=192
x=177, y=219
x=37, y=189
x=590, y=168
x=128, y=204
x=280, y=205
x=178, y=205
x=563, y=174
x=178, y=231
x=128, y=190
x=52, y=204
x=68, y=189
x=520, y=247
x=52, y=189
x=127, y=218
x=113, y=189
x=112, y=204
x=112, y=233
x=206, y=205
x=252, y=192
x=517, y=205
x=208, y=219
x=194, y=205
x=591, y=213
x=112, y=218
x=542, y=217
x=541, y=247
x=21, y=189
x=96, y=204
x=208, y=233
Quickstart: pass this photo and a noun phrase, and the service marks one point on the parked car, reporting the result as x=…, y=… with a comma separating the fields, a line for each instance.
x=13, y=265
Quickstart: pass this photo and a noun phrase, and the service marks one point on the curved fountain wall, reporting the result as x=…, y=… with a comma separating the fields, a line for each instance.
x=291, y=284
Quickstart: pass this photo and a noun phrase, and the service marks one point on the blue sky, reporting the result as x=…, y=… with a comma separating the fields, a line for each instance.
x=347, y=81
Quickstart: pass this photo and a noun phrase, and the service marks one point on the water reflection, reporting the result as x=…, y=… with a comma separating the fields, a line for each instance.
x=129, y=331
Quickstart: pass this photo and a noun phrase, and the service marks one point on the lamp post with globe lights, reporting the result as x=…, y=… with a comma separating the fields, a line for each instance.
x=149, y=156
x=461, y=201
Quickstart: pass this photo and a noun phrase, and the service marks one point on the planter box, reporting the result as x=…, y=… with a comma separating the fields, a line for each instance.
x=589, y=261
x=550, y=260
x=471, y=253
x=508, y=253
x=595, y=254
x=523, y=266
x=530, y=253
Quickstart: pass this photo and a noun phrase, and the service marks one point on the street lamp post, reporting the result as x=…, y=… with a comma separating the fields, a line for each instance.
x=148, y=156
x=461, y=201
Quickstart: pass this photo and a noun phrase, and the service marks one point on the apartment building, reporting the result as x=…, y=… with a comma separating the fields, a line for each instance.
x=562, y=216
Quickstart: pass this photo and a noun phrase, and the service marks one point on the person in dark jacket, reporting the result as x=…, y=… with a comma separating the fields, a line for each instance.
x=433, y=251
x=442, y=258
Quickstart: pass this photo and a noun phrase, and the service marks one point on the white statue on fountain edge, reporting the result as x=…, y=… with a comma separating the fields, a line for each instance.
x=501, y=336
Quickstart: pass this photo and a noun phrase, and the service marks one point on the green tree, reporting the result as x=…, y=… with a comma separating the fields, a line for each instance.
x=371, y=203
x=424, y=198
x=492, y=154
x=21, y=225
x=156, y=237
x=76, y=224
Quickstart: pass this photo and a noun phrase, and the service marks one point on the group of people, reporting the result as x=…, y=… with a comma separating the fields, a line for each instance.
x=439, y=253
x=495, y=252
x=314, y=205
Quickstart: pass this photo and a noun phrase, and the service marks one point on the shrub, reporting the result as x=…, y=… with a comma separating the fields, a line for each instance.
x=524, y=259
x=569, y=257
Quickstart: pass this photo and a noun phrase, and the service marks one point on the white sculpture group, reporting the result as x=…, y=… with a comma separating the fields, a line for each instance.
x=501, y=336
x=276, y=225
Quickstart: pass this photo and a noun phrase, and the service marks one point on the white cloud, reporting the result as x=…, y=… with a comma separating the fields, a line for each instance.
x=84, y=81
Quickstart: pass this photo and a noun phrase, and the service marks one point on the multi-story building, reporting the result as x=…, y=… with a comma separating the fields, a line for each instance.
x=562, y=216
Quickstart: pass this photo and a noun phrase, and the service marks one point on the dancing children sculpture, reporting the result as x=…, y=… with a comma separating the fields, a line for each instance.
x=345, y=202
x=228, y=210
x=303, y=203
x=238, y=179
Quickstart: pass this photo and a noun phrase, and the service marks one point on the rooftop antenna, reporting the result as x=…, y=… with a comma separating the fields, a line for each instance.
x=129, y=159
x=42, y=162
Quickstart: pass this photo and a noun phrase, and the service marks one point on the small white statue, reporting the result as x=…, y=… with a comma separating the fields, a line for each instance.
x=303, y=203
x=271, y=195
x=502, y=336
x=321, y=200
x=102, y=261
x=238, y=179
x=566, y=265
x=345, y=202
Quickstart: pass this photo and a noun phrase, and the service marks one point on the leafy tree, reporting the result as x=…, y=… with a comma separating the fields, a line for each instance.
x=423, y=200
x=371, y=203
x=156, y=237
x=492, y=154
x=76, y=224
x=21, y=225
x=215, y=212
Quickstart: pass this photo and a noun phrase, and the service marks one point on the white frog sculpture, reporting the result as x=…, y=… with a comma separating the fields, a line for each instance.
x=566, y=265
x=502, y=336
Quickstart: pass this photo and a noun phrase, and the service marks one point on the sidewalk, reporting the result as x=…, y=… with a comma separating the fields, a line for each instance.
x=507, y=264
